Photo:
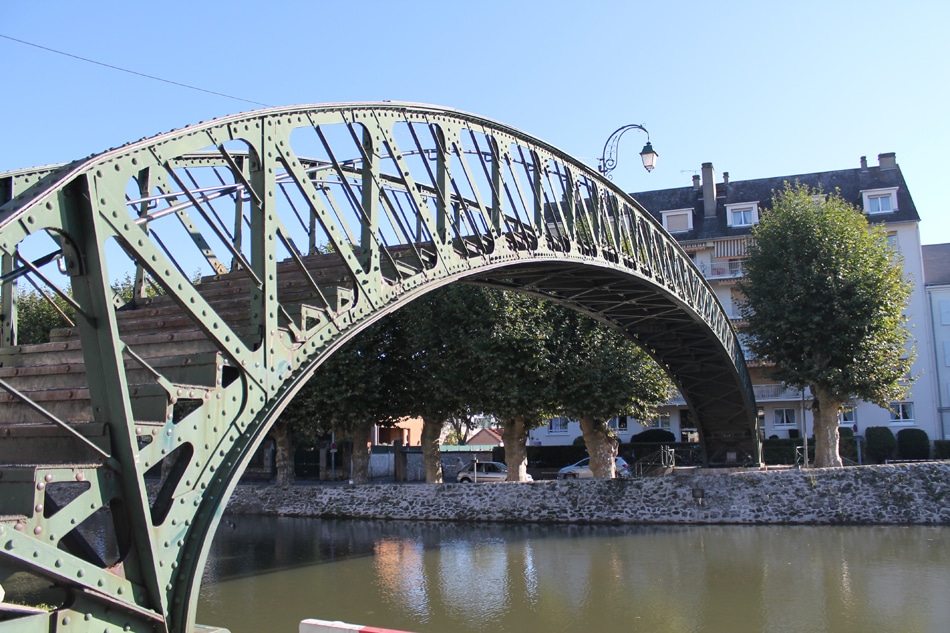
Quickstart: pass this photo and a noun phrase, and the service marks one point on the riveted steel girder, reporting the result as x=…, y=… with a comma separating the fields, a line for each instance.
x=253, y=247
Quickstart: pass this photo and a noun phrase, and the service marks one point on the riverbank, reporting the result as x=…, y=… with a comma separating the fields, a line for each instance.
x=898, y=494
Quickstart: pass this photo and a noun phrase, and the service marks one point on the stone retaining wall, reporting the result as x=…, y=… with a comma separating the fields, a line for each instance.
x=890, y=494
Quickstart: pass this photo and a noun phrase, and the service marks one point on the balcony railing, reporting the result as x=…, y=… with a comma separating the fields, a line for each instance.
x=778, y=392
x=725, y=269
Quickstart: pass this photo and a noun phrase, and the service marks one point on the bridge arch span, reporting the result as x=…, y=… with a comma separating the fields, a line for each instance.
x=252, y=247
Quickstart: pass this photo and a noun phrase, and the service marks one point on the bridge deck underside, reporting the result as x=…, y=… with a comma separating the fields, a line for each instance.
x=677, y=339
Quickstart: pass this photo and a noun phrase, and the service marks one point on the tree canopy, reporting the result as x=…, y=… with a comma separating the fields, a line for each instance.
x=600, y=374
x=359, y=386
x=824, y=301
x=445, y=334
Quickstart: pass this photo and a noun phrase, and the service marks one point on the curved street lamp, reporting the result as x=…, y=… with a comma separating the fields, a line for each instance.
x=608, y=160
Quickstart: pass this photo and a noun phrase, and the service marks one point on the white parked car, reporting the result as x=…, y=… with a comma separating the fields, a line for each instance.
x=484, y=472
x=581, y=470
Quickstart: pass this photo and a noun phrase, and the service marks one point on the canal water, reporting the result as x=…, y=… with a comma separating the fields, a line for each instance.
x=265, y=574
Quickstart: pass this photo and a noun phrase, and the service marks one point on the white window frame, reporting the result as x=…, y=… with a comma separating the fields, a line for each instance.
x=661, y=421
x=877, y=194
x=619, y=423
x=676, y=212
x=902, y=413
x=558, y=426
x=787, y=414
x=752, y=207
x=893, y=241
x=848, y=416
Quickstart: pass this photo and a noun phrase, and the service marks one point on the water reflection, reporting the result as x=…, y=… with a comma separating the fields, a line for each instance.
x=266, y=574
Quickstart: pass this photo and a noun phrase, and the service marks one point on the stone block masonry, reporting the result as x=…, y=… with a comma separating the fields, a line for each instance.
x=904, y=494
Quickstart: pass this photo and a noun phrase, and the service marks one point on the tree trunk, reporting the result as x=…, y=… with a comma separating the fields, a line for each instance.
x=283, y=453
x=431, y=455
x=361, y=454
x=462, y=429
x=600, y=446
x=825, y=411
x=515, y=436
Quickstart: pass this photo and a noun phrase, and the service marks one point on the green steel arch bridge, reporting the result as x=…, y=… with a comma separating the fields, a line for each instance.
x=255, y=246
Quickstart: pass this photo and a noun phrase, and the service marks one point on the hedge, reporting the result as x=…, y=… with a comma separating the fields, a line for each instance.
x=546, y=457
x=881, y=443
x=913, y=444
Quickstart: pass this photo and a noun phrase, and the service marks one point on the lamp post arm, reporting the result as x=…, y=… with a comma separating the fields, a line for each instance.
x=608, y=160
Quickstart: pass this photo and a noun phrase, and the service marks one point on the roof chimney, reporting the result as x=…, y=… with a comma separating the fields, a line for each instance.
x=709, y=190
x=696, y=184
x=864, y=163
x=725, y=177
x=887, y=161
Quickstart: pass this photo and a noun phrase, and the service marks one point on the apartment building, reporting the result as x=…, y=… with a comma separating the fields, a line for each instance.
x=936, y=258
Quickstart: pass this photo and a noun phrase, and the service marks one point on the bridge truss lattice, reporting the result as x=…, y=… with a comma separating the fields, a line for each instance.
x=254, y=246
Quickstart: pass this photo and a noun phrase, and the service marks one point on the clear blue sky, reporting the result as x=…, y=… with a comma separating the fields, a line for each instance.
x=757, y=88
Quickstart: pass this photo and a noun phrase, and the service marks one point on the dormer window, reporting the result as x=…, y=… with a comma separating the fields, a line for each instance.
x=742, y=214
x=880, y=200
x=678, y=220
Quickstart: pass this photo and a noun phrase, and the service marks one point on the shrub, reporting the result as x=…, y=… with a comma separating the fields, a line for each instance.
x=653, y=436
x=913, y=444
x=777, y=451
x=881, y=443
x=942, y=449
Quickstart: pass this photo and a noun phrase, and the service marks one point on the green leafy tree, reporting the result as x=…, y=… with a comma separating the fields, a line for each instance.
x=824, y=301
x=445, y=335
x=517, y=372
x=358, y=387
x=476, y=350
x=40, y=312
x=37, y=315
x=602, y=373
x=519, y=359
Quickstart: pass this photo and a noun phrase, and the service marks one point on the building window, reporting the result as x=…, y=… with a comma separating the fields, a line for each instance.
x=784, y=417
x=678, y=221
x=848, y=416
x=741, y=217
x=557, y=425
x=893, y=242
x=879, y=204
x=902, y=412
x=745, y=214
x=880, y=200
x=661, y=421
x=618, y=423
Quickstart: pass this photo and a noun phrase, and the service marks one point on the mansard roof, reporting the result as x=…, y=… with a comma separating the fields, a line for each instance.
x=936, y=258
x=849, y=182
